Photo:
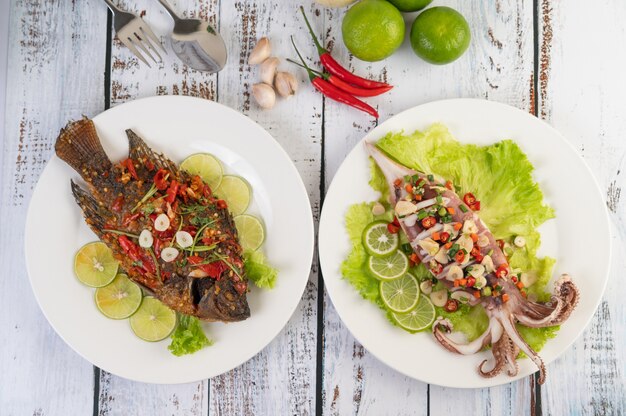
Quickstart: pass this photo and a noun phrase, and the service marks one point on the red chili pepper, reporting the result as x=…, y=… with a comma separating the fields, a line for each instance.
x=475, y=206
x=500, y=244
x=414, y=258
x=451, y=305
x=118, y=204
x=222, y=204
x=241, y=287
x=128, y=164
x=130, y=218
x=215, y=269
x=129, y=247
x=160, y=179
x=149, y=164
x=502, y=271
x=471, y=281
x=428, y=222
x=335, y=68
x=392, y=228
x=194, y=259
x=475, y=251
x=206, y=191
x=172, y=191
x=436, y=268
x=444, y=236
x=469, y=198
x=459, y=256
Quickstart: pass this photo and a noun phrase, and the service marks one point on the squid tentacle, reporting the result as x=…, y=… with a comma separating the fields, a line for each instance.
x=566, y=297
x=443, y=326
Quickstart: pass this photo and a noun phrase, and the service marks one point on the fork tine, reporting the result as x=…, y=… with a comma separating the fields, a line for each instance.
x=140, y=42
x=149, y=43
x=146, y=29
x=130, y=45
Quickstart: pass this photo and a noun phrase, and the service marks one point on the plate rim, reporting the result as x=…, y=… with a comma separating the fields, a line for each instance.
x=481, y=102
x=308, y=227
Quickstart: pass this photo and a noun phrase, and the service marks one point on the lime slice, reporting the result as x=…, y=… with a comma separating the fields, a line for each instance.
x=119, y=299
x=94, y=265
x=390, y=267
x=418, y=319
x=236, y=193
x=250, y=231
x=400, y=295
x=206, y=166
x=153, y=321
x=378, y=241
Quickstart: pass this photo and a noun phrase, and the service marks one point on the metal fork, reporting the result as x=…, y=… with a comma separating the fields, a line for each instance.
x=134, y=33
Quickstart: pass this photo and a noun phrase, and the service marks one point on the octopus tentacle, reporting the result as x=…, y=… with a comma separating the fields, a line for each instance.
x=443, y=326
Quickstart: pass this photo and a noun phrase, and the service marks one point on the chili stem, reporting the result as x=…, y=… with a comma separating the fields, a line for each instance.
x=318, y=73
x=320, y=48
x=312, y=76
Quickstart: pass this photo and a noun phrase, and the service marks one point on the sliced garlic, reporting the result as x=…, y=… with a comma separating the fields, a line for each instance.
x=481, y=281
x=519, y=241
x=429, y=245
x=454, y=272
x=169, y=254
x=426, y=287
x=465, y=242
x=469, y=227
x=488, y=264
x=410, y=220
x=404, y=208
x=528, y=279
x=145, y=239
x=261, y=52
x=483, y=240
x=442, y=255
x=161, y=223
x=449, y=228
x=476, y=270
x=461, y=295
x=378, y=209
x=439, y=297
x=184, y=239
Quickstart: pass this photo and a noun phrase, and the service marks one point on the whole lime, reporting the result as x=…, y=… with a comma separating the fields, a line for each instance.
x=372, y=30
x=440, y=35
x=410, y=5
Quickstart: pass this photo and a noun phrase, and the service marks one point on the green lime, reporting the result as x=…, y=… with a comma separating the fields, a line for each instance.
x=206, y=166
x=410, y=5
x=94, y=265
x=378, y=241
x=390, y=267
x=440, y=35
x=236, y=193
x=400, y=295
x=119, y=299
x=419, y=318
x=153, y=321
x=372, y=30
x=250, y=231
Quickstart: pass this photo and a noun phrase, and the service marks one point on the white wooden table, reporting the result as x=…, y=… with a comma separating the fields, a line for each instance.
x=560, y=60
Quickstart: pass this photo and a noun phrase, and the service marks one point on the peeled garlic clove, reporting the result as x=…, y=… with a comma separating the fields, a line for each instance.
x=161, y=223
x=378, y=209
x=261, y=52
x=169, y=254
x=264, y=95
x=439, y=297
x=184, y=239
x=145, y=239
x=268, y=70
x=286, y=84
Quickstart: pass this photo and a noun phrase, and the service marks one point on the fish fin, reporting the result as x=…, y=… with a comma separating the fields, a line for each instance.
x=138, y=150
x=79, y=146
x=95, y=214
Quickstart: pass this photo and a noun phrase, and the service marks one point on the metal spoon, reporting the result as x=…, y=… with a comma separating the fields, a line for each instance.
x=196, y=43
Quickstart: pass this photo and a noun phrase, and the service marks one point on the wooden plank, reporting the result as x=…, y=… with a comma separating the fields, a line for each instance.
x=498, y=66
x=56, y=55
x=281, y=379
x=581, y=92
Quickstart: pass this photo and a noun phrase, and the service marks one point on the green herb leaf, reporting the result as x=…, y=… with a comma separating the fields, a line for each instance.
x=258, y=271
x=188, y=337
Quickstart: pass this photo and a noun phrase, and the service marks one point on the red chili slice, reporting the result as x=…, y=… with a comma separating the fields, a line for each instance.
x=469, y=198
x=222, y=204
x=502, y=271
x=471, y=281
x=160, y=179
x=428, y=222
x=118, y=204
x=172, y=191
x=459, y=256
x=451, y=305
x=436, y=268
x=393, y=228
x=128, y=164
x=475, y=206
x=444, y=237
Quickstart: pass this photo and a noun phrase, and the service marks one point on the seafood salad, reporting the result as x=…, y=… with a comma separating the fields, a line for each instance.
x=430, y=237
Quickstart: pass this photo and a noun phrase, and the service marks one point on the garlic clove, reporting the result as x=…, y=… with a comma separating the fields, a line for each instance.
x=184, y=239
x=461, y=296
x=426, y=287
x=268, y=70
x=261, y=52
x=169, y=254
x=378, y=209
x=264, y=95
x=285, y=84
x=161, y=223
x=145, y=239
x=439, y=297
x=454, y=272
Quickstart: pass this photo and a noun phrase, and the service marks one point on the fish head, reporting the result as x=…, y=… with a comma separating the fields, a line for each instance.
x=224, y=300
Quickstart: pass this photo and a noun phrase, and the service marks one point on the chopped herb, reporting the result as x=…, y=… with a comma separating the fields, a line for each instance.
x=201, y=248
x=446, y=219
x=439, y=199
x=147, y=196
x=407, y=178
x=442, y=212
x=431, y=178
x=121, y=233
x=463, y=208
x=415, y=178
x=422, y=214
x=147, y=209
x=406, y=247
x=457, y=188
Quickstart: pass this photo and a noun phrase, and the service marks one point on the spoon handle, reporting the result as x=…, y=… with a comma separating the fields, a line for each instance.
x=169, y=9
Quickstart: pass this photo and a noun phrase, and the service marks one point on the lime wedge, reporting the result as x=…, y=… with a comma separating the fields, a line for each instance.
x=236, y=193
x=378, y=241
x=250, y=231
x=119, y=299
x=206, y=166
x=390, y=267
x=94, y=265
x=153, y=321
x=418, y=319
x=400, y=295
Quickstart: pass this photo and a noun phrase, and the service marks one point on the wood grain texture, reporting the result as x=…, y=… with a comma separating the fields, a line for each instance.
x=281, y=379
x=498, y=67
x=581, y=94
x=39, y=373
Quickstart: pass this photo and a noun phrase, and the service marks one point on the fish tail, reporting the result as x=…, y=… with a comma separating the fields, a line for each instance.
x=391, y=169
x=79, y=146
x=139, y=150
x=95, y=213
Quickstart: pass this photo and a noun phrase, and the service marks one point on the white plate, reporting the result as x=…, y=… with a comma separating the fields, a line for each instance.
x=179, y=127
x=579, y=233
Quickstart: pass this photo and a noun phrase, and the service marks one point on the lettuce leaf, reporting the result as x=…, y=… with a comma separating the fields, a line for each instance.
x=258, y=271
x=500, y=176
x=188, y=337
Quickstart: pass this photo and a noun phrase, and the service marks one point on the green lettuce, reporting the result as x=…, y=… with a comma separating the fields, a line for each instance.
x=258, y=271
x=188, y=337
x=500, y=176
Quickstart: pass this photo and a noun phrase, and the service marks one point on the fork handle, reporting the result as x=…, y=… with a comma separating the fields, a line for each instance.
x=169, y=9
x=112, y=6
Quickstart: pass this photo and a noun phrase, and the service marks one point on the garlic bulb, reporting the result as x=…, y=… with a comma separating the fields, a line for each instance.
x=261, y=52
x=268, y=70
x=264, y=95
x=285, y=84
